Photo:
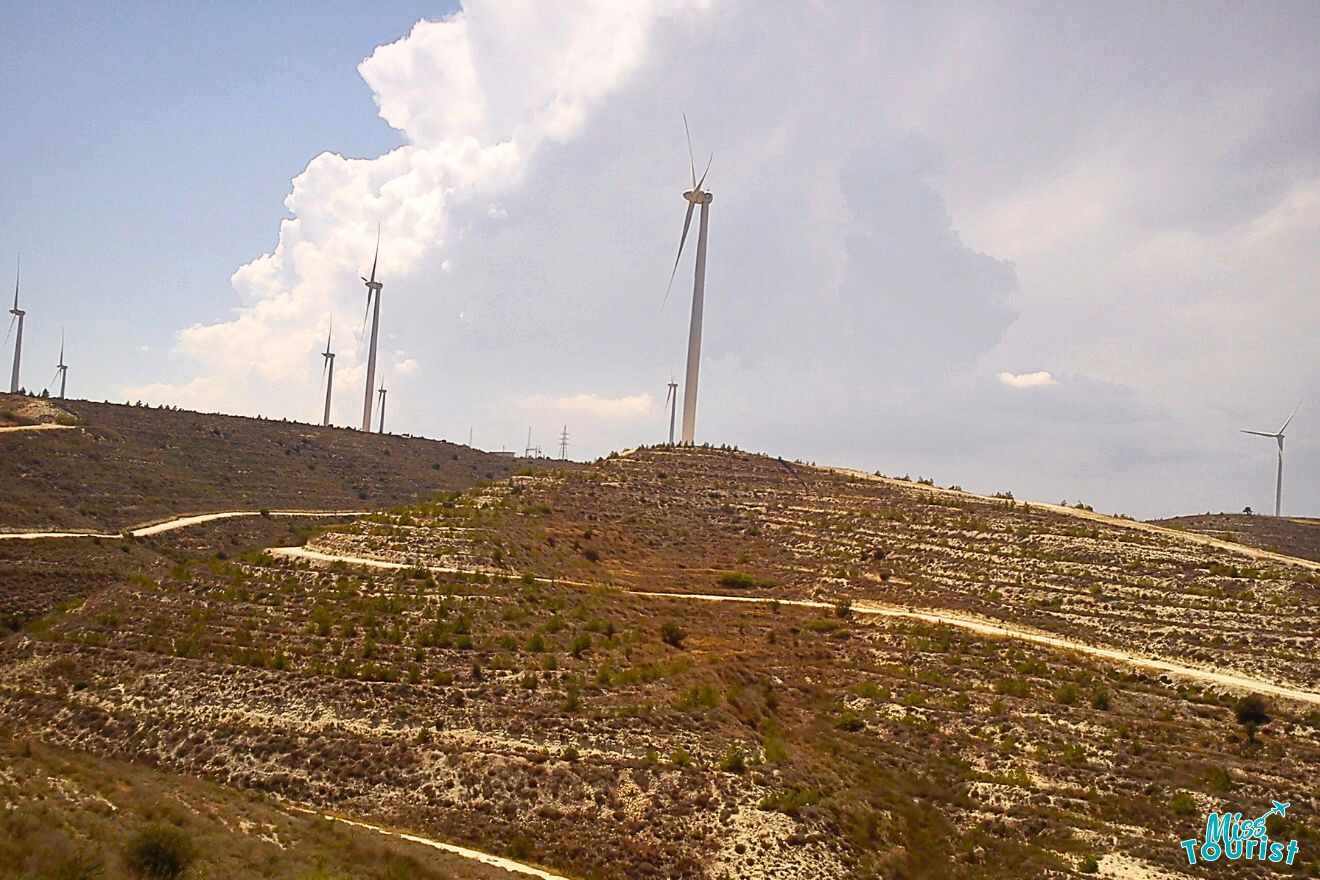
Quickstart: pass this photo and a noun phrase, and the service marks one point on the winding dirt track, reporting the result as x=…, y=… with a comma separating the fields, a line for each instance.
x=179, y=522
x=979, y=625
x=473, y=854
x=8, y=429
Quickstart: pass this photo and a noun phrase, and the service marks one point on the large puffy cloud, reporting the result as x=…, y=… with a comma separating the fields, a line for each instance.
x=909, y=205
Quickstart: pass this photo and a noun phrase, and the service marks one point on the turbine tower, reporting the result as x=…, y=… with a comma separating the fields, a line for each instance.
x=1278, y=438
x=695, y=196
x=328, y=371
x=62, y=369
x=373, y=290
x=671, y=398
x=18, y=340
x=382, y=392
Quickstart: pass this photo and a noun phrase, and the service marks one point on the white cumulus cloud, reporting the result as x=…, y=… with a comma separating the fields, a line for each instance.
x=1038, y=379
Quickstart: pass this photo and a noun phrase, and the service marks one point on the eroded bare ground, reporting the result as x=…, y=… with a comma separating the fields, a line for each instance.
x=607, y=734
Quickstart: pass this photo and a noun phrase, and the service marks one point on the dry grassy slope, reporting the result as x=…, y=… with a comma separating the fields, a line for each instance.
x=135, y=464
x=66, y=812
x=1293, y=536
x=683, y=520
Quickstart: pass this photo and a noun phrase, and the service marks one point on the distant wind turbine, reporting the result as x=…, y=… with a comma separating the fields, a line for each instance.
x=1278, y=437
x=671, y=400
x=382, y=392
x=18, y=340
x=695, y=196
x=373, y=289
x=62, y=369
x=328, y=372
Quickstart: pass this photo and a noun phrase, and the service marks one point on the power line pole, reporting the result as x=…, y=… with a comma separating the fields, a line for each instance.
x=563, y=444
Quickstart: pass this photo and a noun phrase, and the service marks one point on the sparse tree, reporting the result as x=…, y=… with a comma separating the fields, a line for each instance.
x=1252, y=713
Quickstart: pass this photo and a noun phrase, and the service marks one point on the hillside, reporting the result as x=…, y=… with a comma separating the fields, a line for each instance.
x=126, y=465
x=1294, y=536
x=494, y=667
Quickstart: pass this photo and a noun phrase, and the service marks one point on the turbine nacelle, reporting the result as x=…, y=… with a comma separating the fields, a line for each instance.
x=698, y=197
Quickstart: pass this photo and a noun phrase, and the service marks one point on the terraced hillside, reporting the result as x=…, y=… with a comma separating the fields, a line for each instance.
x=1292, y=535
x=536, y=703
x=126, y=465
x=708, y=521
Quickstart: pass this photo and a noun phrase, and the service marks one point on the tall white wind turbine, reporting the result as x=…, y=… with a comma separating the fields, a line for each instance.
x=62, y=369
x=1278, y=438
x=18, y=315
x=383, y=391
x=328, y=373
x=695, y=196
x=373, y=290
x=671, y=400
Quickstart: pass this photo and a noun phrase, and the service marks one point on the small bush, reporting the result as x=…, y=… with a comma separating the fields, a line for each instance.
x=159, y=852
x=741, y=580
x=672, y=634
x=680, y=757
x=850, y=721
x=733, y=761
x=1089, y=865
x=790, y=801
x=1182, y=804
x=1066, y=694
x=1100, y=700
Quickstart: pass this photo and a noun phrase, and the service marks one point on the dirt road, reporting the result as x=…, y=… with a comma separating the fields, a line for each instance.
x=178, y=522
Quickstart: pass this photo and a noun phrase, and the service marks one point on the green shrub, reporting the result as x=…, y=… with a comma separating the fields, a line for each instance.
x=1100, y=700
x=672, y=634
x=741, y=580
x=850, y=721
x=790, y=801
x=159, y=852
x=733, y=760
x=1066, y=694
x=680, y=757
x=1182, y=804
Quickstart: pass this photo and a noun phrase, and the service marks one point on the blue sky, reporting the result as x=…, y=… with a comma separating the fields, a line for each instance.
x=148, y=149
x=1067, y=250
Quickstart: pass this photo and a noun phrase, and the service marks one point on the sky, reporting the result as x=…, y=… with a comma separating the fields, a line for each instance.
x=1066, y=250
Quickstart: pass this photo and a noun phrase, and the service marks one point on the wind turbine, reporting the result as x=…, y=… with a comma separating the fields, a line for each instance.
x=695, y=196
x=328, y=372
x=18, y=340
x=382, y=393
x=1278, y=437
x=671, y=400
x=62, y=369
x=373, y=288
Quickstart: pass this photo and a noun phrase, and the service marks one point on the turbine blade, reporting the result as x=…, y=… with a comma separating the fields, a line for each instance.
x=669, y=392
x=1258, y=433
x=704, y=173
x=53, y=378
x=687, y=222
x=691, y=162
x=376, y=258
x=1290, y=417
x=61, y=346
x=8, y=332
x=17, y=274
x=363, y=332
